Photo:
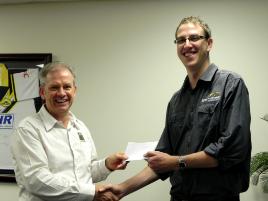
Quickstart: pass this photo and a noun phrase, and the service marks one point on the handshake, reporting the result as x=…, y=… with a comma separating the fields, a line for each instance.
x=108, y=192
x=157, y=162
x=111, y=192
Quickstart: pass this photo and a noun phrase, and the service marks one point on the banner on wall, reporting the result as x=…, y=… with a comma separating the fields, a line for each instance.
x=19, y=97
x=17, y=94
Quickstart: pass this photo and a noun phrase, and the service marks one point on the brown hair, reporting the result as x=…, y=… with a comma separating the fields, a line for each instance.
x=195, y=20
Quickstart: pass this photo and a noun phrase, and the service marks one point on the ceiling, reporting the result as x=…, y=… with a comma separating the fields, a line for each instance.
x=30, y=1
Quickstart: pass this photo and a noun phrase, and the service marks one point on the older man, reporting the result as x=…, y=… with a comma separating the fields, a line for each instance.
x=55, y=156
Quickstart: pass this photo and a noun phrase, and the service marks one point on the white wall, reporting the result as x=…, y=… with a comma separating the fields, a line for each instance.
x=127, y=66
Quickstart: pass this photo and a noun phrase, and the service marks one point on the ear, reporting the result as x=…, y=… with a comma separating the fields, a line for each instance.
x=42, y=93
x=210, y=42
x=75, y=89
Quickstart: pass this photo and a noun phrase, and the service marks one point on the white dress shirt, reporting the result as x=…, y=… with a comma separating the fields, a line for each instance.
x=54, y=163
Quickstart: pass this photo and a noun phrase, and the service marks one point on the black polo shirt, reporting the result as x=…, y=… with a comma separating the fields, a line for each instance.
x=215, y=118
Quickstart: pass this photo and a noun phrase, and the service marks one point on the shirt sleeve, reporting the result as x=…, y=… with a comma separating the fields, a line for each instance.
x=234, y=143
x=31, y=167
x=164, y=145
x=99, y=170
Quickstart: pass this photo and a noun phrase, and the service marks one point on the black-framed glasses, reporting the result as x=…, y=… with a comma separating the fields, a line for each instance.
x=191, y=38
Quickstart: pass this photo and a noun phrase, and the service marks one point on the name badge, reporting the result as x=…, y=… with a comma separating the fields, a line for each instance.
x=81, y=137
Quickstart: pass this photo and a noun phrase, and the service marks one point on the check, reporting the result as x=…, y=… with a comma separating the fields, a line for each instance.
x=135, y=150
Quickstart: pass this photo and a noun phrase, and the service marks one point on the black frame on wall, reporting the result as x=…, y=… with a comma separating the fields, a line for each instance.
x=18, y=62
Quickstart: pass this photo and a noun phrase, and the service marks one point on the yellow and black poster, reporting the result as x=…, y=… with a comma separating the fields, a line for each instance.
x=19, y=97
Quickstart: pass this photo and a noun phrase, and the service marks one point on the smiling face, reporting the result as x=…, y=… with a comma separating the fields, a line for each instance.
x=58, y=92
x=194, y=54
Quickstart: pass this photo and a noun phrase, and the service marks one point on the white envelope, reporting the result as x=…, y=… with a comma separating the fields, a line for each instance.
x=135, y=150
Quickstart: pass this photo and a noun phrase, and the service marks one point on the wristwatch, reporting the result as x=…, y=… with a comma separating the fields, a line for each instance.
x=182, y=162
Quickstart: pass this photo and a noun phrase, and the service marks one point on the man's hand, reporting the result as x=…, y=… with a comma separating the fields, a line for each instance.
x=116, y=189
x=145, y=177
x=116, y=161
x=161, y=162
x=104, y=195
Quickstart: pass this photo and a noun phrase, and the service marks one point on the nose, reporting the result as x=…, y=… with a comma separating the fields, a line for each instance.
x=61, y=91
x=187, y=42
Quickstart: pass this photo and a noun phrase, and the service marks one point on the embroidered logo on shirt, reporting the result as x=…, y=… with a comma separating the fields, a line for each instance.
x=212, y=97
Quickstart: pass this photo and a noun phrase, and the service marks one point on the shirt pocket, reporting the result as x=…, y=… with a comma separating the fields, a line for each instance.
x=176, y=120
x=205, y=114
x=175, y=127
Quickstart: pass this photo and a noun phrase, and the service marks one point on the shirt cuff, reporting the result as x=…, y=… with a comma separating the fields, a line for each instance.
x=103, y=167
x=87, y=192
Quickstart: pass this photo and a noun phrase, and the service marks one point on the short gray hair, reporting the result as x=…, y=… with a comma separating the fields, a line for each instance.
x=52, y=66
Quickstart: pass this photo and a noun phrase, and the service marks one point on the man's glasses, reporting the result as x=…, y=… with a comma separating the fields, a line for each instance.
x=191, y=38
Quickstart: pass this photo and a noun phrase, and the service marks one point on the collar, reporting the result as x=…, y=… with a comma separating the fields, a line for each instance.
x=49, y=121
x=207, y=75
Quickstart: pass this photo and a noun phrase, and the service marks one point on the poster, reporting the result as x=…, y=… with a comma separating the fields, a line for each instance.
x=19, y=97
